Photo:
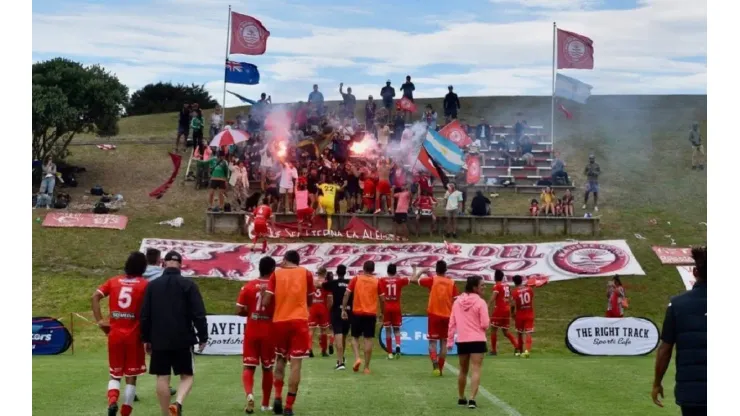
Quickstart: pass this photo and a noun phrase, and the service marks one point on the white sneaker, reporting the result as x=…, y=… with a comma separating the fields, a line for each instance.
x=596, y=208
x=390, y=356
x=265, y=408
x=584, y=206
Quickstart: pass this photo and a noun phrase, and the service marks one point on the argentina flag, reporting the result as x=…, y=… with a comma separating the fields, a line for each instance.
x=444, y=152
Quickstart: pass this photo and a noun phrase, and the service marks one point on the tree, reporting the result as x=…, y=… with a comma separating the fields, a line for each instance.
x=167, y=98
x=69, y=98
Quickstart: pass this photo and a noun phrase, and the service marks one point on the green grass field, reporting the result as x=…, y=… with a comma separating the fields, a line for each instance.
x=641, y=144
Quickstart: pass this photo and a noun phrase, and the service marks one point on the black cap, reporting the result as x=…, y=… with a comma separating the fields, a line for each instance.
x=173, y=256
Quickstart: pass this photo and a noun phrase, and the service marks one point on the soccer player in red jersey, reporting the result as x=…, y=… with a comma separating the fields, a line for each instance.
x=291, y=289
x=126, y=356
x=318, y=320
x=390, y=289
x=501, y=315
x=442, y=292
x=258, y=347
x=523, y=301
x=262, y=214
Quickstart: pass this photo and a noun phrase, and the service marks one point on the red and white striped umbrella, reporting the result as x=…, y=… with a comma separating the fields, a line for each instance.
x=228, y=137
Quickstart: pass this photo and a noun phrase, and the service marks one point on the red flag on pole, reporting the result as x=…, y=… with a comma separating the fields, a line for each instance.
x=473, y=164
x=567, y=113
x=248, y=35
x=455, y=133
x=575, y=51
x=406, y=105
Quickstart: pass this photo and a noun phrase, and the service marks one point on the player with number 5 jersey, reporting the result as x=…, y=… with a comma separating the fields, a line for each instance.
x=501, y=315
x=391, y=289
x=126, y=356
x=523, y=301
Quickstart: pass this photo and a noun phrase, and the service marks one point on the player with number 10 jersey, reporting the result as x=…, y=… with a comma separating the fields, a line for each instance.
x=523, y=300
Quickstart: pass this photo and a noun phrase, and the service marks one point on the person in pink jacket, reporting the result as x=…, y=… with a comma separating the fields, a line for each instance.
x=469, y=320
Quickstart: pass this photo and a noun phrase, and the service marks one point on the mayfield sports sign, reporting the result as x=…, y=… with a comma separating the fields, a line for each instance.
x=554, y=261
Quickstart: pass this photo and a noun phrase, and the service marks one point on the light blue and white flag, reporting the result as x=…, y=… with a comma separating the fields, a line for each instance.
x=572, y=89
x=444, y=152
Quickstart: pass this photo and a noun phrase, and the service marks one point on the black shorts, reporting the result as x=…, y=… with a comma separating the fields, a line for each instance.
x=272, y=192
x=339, y=325
x=167, y=362
x=363, y=326
x=183, y=130
x=216, y=184
x=464, y=348
x=400, y=217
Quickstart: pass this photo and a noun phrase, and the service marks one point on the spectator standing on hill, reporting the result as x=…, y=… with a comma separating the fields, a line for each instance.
x=697, y=157
x=430, y=117
x=196, y=124
x=219, y=174
x=452, y=208
x=349, y=101
x=217, y=121
x=480, y=206
x=592, y=172
x=49, y=173
x=183, y=126
x=483, y=133
x=559, y=175
x=408, y=92
x=370, y=109
x=387, y=94
x=154, y=264
x=685, y=327
x=399, y=124
x=316, y=98
x=451, y=105
x=173, y=319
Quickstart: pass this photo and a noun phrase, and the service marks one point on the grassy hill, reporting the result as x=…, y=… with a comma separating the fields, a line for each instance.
x=641, y=143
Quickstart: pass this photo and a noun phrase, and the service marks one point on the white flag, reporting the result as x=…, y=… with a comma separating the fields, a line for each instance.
x=572, y=89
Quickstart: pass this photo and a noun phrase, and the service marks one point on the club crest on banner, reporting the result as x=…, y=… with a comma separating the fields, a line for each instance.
x=250, y=34
x=575, y=49
x=590, y=258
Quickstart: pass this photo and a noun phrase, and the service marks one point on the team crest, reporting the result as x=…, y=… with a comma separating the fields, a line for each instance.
x=590, y=259
x=575, y=50
x=250, y=35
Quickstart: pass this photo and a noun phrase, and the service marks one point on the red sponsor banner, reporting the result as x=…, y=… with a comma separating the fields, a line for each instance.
x=575, y=51
x=677, y=256
x=455, y=133
x=473, y=164
x=356, y=229
x=84, y=220
x=537, y=263
x=248, y=35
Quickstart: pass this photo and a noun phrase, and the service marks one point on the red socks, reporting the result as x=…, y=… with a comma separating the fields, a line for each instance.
x=278, y=389
x=528, y=342
x=322, y=342
x=113, y=396
x=398, y=340
x=494, y=334
x=520, y=343
x=126, y=410
x=433, y=356
x=248, y=380
x=266, y=386
x=388, y=343
x=441, y=364
x=512, y=340
x=331, y=339
x=291, y=400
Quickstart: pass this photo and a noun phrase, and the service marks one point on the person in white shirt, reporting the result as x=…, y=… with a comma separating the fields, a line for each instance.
x=217, y=121
x=454, y=204
x=239, y=182
x=288, y=176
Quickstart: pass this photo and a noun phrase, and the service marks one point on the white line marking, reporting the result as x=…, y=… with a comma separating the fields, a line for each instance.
x=488, y=395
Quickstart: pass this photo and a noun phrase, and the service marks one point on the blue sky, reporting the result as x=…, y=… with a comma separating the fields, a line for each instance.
x=482, y=47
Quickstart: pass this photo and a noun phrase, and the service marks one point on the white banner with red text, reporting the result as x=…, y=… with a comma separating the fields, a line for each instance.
x=554, y=261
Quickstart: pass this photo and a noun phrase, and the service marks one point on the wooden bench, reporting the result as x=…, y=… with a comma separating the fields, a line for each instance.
x=233, y=223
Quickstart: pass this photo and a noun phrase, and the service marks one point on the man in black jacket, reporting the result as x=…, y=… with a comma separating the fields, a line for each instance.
x=451, y=105
x=387, y=93
x=173, y=311
x=685, y=326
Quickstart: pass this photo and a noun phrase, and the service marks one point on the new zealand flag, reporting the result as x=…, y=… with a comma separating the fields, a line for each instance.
x=241, y=73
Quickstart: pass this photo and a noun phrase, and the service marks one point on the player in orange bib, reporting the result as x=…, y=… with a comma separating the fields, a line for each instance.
x=291, y=289
x=501, y=315
x=262, y=214
x=126, y=356
x=318, y=319
x=258, y=347
x=442, y=292
x=391, y=288
x=523, y=301
x=365, y=292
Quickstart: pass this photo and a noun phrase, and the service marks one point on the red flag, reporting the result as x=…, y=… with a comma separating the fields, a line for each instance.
x=567, y=113
x=406, y=105
x=575, y=51
x=455, y=133
x=473, y=164
x=159, y=192
x=248, y=35
x=432, y=166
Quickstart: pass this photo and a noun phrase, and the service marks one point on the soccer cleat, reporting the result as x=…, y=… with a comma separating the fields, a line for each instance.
x=472, y=405
x=331, y=350
x=250, y=405
x=288, y=412
x=462, y=402
x=517, y=353
x=277, y=407
x=136, y=397
x=390, y=356
x=356, y=366
x=340, y=366
x=436, y=372
x=310, y=354
x=113, y=409
x=525, y=354
x=265, y=408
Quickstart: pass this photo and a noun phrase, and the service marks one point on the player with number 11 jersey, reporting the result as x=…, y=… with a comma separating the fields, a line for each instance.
x=391, y=288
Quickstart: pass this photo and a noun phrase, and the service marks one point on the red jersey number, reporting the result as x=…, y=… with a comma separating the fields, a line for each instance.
x=523, y=299
x=125, y=297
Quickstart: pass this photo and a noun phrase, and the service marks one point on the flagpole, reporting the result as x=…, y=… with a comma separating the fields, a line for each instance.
x=228, y=31
x=552, y=98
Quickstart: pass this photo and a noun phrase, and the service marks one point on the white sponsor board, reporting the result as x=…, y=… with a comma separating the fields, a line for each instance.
x=687, y=276
x=556, y=261
x=595, y=335
x=225, y=335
